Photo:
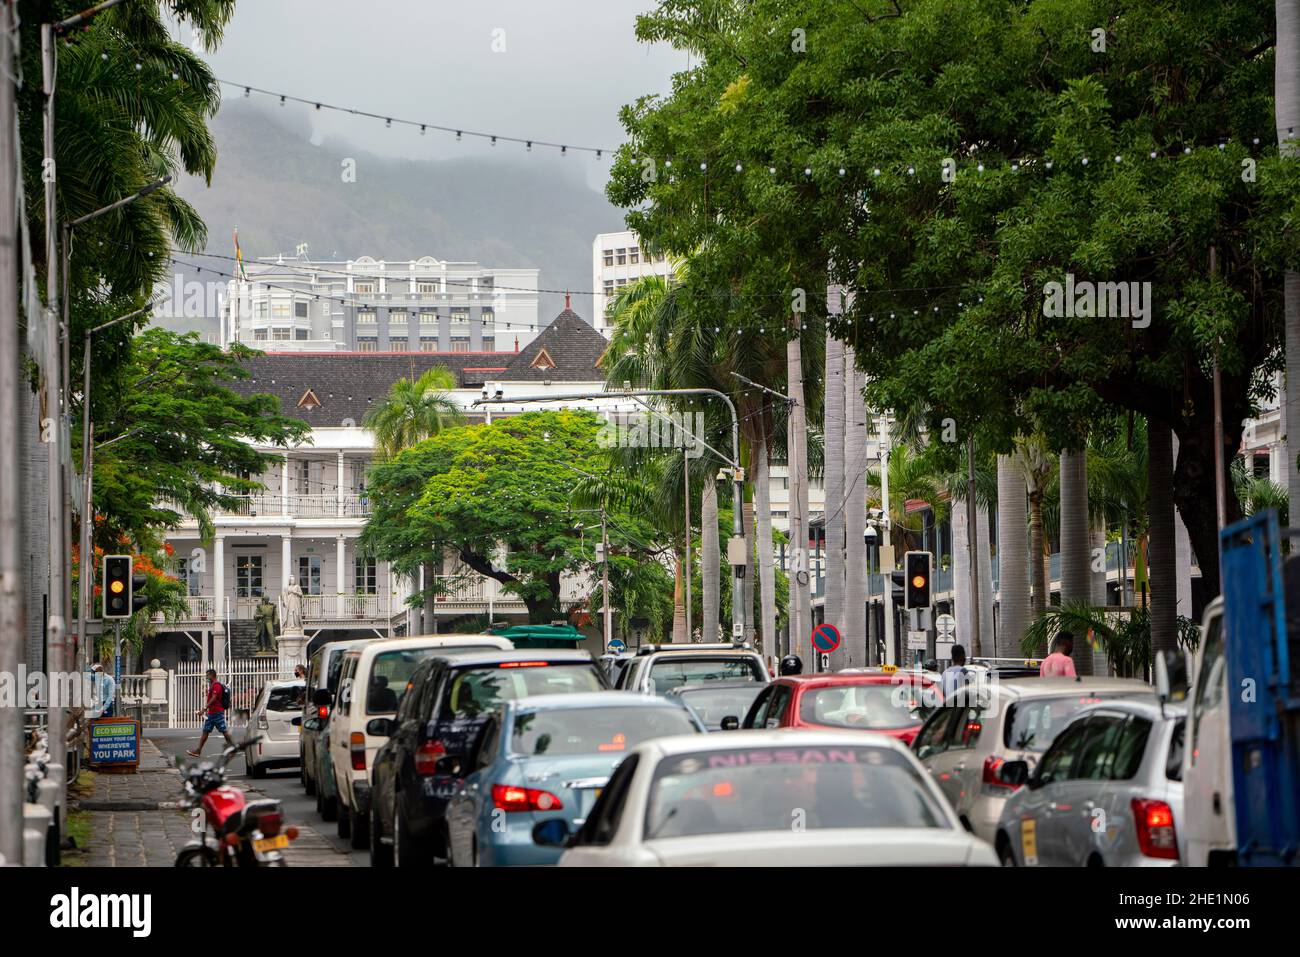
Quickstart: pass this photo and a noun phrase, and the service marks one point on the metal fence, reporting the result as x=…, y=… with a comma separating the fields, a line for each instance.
x=245, y=677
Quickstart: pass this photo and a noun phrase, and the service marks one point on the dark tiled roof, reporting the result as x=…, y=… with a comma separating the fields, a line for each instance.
x=574, y=347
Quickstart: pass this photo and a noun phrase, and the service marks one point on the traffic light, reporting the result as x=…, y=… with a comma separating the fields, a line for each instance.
x=123, y=591
x=917, y=566
x=896, y=585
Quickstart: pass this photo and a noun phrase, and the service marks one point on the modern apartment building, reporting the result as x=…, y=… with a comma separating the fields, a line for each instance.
x=289, y=304
x=616, y=260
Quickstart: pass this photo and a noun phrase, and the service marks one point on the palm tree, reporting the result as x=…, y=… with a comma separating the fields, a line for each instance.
x=1286, y=96
x=1013, y=556
x=957, y=486
x=1161, y=557
x=797, y=464
x=855, y=519
x=413, y=411
x=912, y=477
x=1076, y=541
x=1036, y=465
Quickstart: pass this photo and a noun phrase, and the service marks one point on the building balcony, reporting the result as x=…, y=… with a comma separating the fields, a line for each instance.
x=318, y=611
x=275, y=505
x=464, y=594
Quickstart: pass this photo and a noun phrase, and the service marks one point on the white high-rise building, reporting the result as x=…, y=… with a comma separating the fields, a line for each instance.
x=616, y=260
x=295, y=304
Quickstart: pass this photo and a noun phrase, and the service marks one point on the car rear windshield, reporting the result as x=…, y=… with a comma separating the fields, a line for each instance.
x=777, y=788
x=594, y=730
x=478, y=690
x=1032, y=724
x=714, y=704
x=878, y=706
x=673, y=672
x=286, y=698
x=389, y=673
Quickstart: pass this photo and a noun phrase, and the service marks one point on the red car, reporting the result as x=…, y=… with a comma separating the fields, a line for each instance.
x=895, y=703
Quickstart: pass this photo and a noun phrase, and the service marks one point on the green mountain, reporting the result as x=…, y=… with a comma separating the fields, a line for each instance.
x=280, y=189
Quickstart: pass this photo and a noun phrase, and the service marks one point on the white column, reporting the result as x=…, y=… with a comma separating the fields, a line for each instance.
x=340, y=565
x=285, y=559
x=284, y=486
x=338, y=486
x=219, y=597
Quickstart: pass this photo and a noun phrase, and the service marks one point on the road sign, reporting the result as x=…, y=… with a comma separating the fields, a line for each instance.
x=616, y=646
x=115, y=743
x=825, y=638
x=916, y=640
x=946, y=625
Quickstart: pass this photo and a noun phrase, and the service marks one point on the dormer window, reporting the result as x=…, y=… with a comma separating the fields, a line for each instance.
x=543, y=360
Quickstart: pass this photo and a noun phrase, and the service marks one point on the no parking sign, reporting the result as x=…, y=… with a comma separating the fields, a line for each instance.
x=825, y=638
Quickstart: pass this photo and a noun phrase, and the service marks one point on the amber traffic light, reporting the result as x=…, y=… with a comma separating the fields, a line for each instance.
x=918, y=567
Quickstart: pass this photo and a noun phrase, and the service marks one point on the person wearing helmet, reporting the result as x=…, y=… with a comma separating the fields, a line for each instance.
x=791, y=665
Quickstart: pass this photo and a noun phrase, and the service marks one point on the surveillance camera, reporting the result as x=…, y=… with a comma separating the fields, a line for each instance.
x=485, y=395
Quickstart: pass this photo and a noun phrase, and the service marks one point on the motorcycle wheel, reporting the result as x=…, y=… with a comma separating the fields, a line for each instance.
x=197, y=856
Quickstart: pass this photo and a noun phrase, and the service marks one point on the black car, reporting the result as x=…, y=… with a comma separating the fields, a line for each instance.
x=449, y=698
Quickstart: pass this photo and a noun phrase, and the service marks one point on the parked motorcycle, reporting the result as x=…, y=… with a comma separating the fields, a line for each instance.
x=236, y=832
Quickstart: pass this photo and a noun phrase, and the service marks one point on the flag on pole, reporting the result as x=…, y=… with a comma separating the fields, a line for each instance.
x=239, y=257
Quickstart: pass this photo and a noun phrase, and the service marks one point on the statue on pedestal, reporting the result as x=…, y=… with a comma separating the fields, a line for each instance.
x=267, y=618
x=292, y=601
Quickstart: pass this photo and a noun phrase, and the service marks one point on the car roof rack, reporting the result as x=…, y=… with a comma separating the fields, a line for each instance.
x=694, y=646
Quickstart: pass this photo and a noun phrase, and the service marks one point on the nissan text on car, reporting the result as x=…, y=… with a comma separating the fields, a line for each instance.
x=371, y=684
x=768, y=798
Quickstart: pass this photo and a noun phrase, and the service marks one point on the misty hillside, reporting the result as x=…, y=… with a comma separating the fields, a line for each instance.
x=280, y=189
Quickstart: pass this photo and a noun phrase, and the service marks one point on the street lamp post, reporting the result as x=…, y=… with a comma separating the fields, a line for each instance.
x=737, y=473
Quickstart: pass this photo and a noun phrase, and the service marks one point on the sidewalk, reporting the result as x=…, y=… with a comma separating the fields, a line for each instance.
x=137, y=821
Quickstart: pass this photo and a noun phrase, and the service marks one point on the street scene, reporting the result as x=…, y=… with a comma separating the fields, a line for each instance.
x=651, y=433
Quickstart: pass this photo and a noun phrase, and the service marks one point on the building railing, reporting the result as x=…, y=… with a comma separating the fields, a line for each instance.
x=473, y=590
x=294, y=505
x=201, y=608
x=318, y=608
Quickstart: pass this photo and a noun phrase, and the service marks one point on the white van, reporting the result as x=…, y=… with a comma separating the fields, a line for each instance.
x=1209, y=834
x=371, y=684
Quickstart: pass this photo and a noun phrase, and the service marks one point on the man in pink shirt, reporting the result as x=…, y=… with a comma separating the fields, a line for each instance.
x=1059, y=664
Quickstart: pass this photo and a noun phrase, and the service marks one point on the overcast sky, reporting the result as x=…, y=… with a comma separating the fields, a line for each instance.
x=566, y=68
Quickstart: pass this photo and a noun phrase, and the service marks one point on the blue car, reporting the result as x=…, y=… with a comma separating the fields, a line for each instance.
x=548, y=757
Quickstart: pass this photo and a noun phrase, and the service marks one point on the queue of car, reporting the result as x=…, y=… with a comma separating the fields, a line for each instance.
x=461, y=750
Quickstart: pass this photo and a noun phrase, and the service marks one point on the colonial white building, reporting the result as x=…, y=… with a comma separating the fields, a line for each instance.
x=366, y=305
x=616, y=260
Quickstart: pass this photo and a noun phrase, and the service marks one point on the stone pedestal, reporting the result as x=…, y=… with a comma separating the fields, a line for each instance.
x=292, y=650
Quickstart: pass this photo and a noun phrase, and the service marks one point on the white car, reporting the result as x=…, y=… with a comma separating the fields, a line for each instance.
x=786, y=798
x=371, y=684
x=271, y=720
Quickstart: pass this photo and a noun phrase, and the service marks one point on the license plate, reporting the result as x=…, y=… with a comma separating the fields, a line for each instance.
x=277, y=843
x=597, y=793
x=1029, y=841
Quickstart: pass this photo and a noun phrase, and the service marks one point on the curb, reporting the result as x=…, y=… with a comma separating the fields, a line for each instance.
x=94, y=805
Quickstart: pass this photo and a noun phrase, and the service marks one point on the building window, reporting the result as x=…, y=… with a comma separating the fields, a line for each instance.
x=633, y=254
x=260, y=335
x=300, y=310
x=459, y=344
x=364, y=288
x=367, y=345
x=428, y=344
x=279, y=310
x=192, y=578
x=366, y=318
x=309, y=574
x=620, y=256
x=609, y=257
x=399, y=345
x=280, y=335
x=460, y=314
x=302, y=335
x=428, y=288
x=365, y=577
x=609, y=288
x=248, y=576
x=488, y=314
x=428, y=317
x=259, y=310
x=397, y=318
x=489, y=344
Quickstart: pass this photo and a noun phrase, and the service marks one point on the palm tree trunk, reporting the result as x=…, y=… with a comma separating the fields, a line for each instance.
x=430, y=600
x=984, y=578
x=853, y=651
x=1161, y=561
x=833, y=417
x=1013, y=557
x=1182, y=556
x=763, y=541
x=796, y=440
x=1038, y=554
x=1076, y=557
x=710, y=560
x=679, y=606
x=752, y=573
x=1099, y=599
x=1286, y=94
x=961, y=593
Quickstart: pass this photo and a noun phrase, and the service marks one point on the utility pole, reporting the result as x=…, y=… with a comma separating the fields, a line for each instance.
x=13, y=627
x=971, y=542
x=606, y=609
x=887, y=550
x=686, y=482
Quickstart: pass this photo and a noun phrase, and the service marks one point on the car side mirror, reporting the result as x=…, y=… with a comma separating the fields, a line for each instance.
x=1171, y=675
x=380, y=727
x=966, y=825
x=297, y=722
x=553, y=832
x=322, y=698
x=1015, y=773
x=730, y=723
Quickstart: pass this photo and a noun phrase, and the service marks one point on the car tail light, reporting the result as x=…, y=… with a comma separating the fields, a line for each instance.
x=357, y=748
x=427, y=756
x=1154, y=821
x=269, y=823
x=291, y=833
x=993, y=773
x=262, y=723
x=508, y=797
x=323, y=711
x=523, y=664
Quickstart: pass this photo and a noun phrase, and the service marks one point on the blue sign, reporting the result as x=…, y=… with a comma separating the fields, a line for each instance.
x=616, y=646
x=115, y=741
x=826, y=638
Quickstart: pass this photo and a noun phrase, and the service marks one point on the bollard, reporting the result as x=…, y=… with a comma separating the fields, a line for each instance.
x=36, y=824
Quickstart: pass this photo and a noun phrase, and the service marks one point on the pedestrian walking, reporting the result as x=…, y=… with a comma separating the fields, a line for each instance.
x=955, y=675
x=216, y=714
x=1059, y=664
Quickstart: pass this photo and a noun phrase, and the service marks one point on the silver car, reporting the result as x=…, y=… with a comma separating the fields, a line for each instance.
x=658, y=669
x=964, y=746
x=1108, y=792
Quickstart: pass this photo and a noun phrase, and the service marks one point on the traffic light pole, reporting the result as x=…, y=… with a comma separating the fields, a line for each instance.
x=886, y=551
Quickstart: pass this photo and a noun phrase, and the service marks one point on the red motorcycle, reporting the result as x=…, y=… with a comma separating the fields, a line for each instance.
x=235, y=832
